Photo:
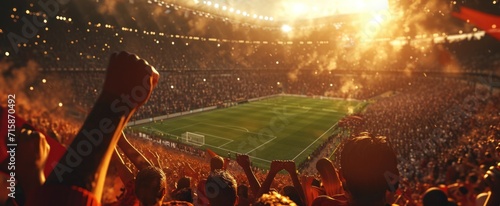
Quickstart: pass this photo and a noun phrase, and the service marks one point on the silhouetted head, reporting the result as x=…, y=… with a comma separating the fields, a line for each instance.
x=243, y=191
x=292, y=193
x=273, y=198
x=434, y=196
x=220, y=189
x=369, y=168
x=150, y=186
x=184, y=182
x=216, y=163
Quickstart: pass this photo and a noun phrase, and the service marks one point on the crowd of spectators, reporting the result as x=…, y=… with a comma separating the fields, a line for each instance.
x=441, y=129
x=444, y=133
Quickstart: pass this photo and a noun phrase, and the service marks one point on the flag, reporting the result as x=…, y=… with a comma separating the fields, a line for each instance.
x=487, y=22
x=56, y=149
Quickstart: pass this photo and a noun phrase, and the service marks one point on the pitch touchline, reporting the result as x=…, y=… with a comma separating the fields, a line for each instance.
x=315, y=141
x=152, y=128
x=183, y=127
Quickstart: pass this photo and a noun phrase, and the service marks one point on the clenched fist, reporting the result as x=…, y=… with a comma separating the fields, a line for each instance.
x=129, y=79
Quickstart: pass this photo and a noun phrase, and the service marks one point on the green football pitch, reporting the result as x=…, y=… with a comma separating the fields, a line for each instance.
x=278, y=128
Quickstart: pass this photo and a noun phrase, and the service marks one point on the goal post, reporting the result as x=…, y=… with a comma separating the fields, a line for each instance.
x=193, y=138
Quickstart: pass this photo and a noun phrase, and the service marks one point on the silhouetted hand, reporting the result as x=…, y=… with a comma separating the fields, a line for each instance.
x=130, y=78
x=289, y=166
x=34, y=149
x=243, y=161
x=276, y=166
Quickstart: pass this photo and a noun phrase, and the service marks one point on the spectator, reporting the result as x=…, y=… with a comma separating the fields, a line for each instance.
x=81, y=182
x=221, y=189
x=151, y=186
x=273, y=199
x=365, y=164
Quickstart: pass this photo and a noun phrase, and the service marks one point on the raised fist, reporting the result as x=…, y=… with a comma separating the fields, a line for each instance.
x=243, y=160
x=34, y=149
x=289, y=166
x=129, y=78
x=276, y=166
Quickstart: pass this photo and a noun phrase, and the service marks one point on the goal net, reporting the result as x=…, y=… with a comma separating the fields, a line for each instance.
x=193, y=138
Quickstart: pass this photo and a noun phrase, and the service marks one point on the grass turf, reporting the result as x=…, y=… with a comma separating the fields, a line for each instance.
x=278, y=128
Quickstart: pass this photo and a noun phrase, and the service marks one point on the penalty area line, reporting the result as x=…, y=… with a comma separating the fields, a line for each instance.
x=228, y=150
x=262, y=144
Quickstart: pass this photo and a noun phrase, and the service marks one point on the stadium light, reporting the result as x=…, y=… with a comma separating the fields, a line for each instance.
x=285, y=28
x=44, y=81
x=60, y=104
x=31, y=88
x=7, y=54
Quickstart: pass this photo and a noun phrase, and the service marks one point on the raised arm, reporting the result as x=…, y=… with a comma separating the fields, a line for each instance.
x=128, y=84
x=276, y=166
x=290, y=167
x=136, y=157
x=244, y=162
x=34, y=149
x=309, y=192
x=125, y=174
x=329, y=177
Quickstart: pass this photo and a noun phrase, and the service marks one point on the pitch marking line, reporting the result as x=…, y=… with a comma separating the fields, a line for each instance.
x=228, y=150
x=315, y=141
x=183, y=127
x=152, y=128
x=229, y=127
x=228, y=140
x=213, y=136
x=224, y=144
x=262, y=144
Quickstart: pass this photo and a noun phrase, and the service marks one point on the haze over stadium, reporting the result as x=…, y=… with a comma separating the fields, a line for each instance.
x=214, y=99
